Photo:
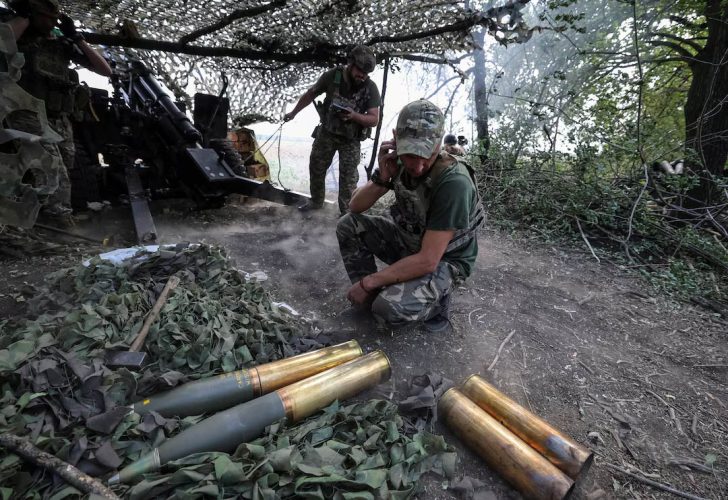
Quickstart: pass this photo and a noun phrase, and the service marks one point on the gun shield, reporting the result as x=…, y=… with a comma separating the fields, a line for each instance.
x=562, y=451
x=224, y=431
x=522, y=466
x=230, y=389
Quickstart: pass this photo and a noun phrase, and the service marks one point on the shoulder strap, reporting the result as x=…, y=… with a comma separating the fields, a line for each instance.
x=337, y=80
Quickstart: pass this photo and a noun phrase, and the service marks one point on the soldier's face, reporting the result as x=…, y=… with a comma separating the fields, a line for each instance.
x=357, y=74
x=416, y=166
x=44, y=22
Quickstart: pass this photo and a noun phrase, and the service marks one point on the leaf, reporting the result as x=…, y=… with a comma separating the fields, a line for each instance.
x=710, y=459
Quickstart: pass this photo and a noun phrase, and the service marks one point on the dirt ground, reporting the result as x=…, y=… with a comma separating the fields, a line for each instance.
x=641, y=380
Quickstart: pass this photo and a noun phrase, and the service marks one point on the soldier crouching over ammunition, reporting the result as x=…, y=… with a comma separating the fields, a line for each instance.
x=429, y=238
x=49, y=41
x=350, y=109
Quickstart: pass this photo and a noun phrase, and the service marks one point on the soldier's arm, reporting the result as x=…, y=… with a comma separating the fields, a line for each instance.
x=19, y=25
x=308, y=97
x=364, y=197
x=96, y=62
x=368, y=119
x=434, y=244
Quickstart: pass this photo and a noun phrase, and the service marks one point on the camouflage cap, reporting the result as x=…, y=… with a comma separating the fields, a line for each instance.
x=419, y=129
x=363, y=57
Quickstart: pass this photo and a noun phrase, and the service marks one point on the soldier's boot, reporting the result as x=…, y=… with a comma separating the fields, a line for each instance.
x=309, y=206
x=441, y=321
x=57, y=216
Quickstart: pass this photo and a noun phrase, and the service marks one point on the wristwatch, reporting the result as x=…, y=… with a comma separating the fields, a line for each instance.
x=377, y=179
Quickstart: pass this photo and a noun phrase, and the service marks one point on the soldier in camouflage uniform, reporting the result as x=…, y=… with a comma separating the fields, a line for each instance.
x=350, y=109
x=48, y=50
x=428, y=239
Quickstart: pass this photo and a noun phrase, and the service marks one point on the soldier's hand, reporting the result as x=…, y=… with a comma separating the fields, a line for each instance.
x=288, y=117
x=358, y=296
x=68, y=27
x=347, y=114
x=387, y=159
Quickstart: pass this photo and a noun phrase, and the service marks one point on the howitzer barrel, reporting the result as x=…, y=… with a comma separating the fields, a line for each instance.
x=562, y=451
x=224, y=431
x=522, y=466
x=148, y=91
x=230, y=389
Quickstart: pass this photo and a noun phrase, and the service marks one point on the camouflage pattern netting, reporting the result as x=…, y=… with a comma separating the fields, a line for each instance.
x=288, y=43
x=56, y=391
x=20, y=201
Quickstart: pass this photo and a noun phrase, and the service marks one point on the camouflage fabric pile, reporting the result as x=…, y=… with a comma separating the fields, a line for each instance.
x=56, y=391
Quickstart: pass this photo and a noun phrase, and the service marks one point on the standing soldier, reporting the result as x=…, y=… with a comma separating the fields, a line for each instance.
x=350, y=109
x=48, y=50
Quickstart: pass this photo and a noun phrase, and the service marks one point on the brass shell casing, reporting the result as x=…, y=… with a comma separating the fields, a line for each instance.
x=522, y=466
x=562, y=451
x=306, y=397
x=271, y=376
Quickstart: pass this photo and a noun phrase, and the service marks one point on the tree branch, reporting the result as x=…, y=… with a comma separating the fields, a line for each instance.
x=68, y=472
x=230, y=18
x=692, y=43
x=685, y=54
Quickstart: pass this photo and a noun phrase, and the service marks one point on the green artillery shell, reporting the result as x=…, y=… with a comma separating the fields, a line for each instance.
x=230, y=389
x=227, y=429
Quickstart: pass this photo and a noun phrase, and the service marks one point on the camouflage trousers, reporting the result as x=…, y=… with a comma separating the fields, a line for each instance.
x=58, y=203
x=364, y=237
x=324, y=147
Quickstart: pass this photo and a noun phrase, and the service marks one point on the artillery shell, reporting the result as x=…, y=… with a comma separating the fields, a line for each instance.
x=522, y=466
x=224, y=431
x=562, y=451
x=229, y=389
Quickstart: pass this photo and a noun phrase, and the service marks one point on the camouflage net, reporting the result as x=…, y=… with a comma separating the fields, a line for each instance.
x=272, y=51
x=57, y=392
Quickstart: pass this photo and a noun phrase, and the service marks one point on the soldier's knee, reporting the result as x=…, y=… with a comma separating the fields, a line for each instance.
x=393, y=312
x=345, y=226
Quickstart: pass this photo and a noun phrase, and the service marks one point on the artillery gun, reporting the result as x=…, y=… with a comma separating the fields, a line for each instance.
x=151, y=149
x=134, y=144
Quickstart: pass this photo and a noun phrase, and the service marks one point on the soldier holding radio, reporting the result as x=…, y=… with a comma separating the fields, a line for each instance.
x=348, y=112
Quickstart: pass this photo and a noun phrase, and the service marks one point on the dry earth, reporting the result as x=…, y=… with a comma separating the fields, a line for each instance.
x=641, y=380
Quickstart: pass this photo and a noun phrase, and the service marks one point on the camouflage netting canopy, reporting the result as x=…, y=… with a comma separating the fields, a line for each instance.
x=272, y=51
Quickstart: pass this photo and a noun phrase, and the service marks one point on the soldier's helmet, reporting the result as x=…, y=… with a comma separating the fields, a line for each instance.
x=450, y=140
x=419, y=129
x=363, y=57
x=48, y=7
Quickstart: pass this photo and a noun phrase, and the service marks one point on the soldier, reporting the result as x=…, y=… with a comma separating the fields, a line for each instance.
x=48, y=51
x=452, y=146
x=428, y=239
x=350, y=109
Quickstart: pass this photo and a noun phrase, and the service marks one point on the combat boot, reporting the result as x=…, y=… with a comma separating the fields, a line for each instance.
x=440, y=322
x=309, y=206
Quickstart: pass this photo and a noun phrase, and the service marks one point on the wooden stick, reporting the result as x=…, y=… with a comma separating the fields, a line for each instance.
x=68, y=472
x=68, y=233
x=655, y=484
x=142, y=335
x=495, y=360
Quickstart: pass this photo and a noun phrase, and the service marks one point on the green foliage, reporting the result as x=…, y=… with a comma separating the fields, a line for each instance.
x=616, y=215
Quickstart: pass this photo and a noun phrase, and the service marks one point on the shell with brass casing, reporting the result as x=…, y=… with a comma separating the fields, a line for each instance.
x=562, y=451
x=522, y=466
x=229, y=389
x=225, y=430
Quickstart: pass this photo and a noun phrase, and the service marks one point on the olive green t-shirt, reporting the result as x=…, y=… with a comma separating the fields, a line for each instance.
x=453, y=200
x=325, y=83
